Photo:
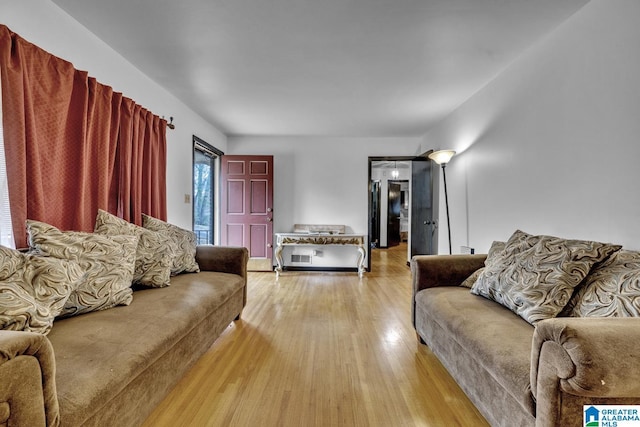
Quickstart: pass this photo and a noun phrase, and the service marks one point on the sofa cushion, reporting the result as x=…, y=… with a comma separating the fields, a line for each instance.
x=108, y=262
x=612, y=289
x=182, y=244
x=153, y=253
x=34, y=289
x=493, y=337
x=118, y=351
x=535, y=276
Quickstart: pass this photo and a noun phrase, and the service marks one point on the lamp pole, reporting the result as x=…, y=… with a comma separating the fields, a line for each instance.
x=446, y=203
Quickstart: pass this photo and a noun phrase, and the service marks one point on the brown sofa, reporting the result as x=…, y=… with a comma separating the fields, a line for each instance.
x=113, y=367
x=517, y=374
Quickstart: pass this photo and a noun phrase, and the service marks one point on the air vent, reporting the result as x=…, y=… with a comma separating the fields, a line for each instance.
x=302, y=259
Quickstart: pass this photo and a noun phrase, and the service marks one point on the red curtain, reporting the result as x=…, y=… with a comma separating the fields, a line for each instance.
x=73, y=145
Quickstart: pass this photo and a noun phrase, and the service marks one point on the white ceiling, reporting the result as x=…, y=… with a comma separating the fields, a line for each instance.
x=321, y=67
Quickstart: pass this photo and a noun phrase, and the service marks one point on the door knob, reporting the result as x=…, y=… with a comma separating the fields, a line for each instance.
x=269, y=220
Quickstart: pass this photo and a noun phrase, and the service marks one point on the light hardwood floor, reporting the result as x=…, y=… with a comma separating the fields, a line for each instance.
x=321, y=349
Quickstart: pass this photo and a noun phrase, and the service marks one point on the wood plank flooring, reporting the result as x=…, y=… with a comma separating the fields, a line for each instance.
x=321, y=349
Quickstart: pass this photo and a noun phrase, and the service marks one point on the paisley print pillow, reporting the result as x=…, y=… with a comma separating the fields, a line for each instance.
x=612, y=289
x=469, y=281
x=183, y=244
x=503, y=252
x=153, y=254
x=494, y=251
x=108, y=261
x=536, y=275
x=34, y=289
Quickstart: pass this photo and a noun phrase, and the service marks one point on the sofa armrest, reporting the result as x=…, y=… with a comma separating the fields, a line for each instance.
x=224, y=259
x=428, y=271
x=28, y=393
x=592, y=358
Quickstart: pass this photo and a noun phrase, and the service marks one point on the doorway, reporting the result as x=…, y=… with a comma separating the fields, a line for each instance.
x=374, y=214
x=389, y=202
x=401, y=205
x=206, y=164
x=397, y=212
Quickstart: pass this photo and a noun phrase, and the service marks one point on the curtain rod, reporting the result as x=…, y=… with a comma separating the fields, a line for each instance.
x=170, y=124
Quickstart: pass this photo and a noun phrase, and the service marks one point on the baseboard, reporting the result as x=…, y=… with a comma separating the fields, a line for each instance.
x=285, y=268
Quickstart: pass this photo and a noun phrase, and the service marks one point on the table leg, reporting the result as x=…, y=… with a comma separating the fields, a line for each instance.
x=279, y=262
x=361, y=256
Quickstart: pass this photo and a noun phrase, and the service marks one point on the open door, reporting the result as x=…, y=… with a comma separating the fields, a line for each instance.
x=246, y=199
x=423, y=226
x=374, y=215
x=393, y=213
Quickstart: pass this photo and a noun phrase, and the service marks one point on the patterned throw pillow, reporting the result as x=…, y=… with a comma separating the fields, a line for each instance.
x=34, y=289
x=153, y=254
x=518, y=242
x=612, y=289
x=183, y=244
x=535, y=275
x=108, y=261
x=494, y=251
x=469, y=281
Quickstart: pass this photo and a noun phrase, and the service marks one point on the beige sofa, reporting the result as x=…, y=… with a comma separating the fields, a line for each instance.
x=515, y=373
x=113, y=367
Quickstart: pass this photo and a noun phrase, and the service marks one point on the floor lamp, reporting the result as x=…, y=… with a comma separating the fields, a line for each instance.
x=442, y=157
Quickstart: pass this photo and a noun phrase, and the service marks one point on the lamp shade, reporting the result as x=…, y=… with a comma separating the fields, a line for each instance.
x=442, y=156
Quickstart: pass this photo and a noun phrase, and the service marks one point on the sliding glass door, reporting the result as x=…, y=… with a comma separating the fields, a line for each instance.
x=206, y=160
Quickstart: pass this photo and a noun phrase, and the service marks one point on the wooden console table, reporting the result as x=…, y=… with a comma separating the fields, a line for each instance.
x=314, y=239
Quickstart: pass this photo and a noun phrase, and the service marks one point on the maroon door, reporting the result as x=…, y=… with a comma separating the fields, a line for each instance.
x=247, y=207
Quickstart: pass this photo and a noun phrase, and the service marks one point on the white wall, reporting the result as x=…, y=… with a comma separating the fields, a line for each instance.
x=44, y=24
x=322, y=180
x=552, y=145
